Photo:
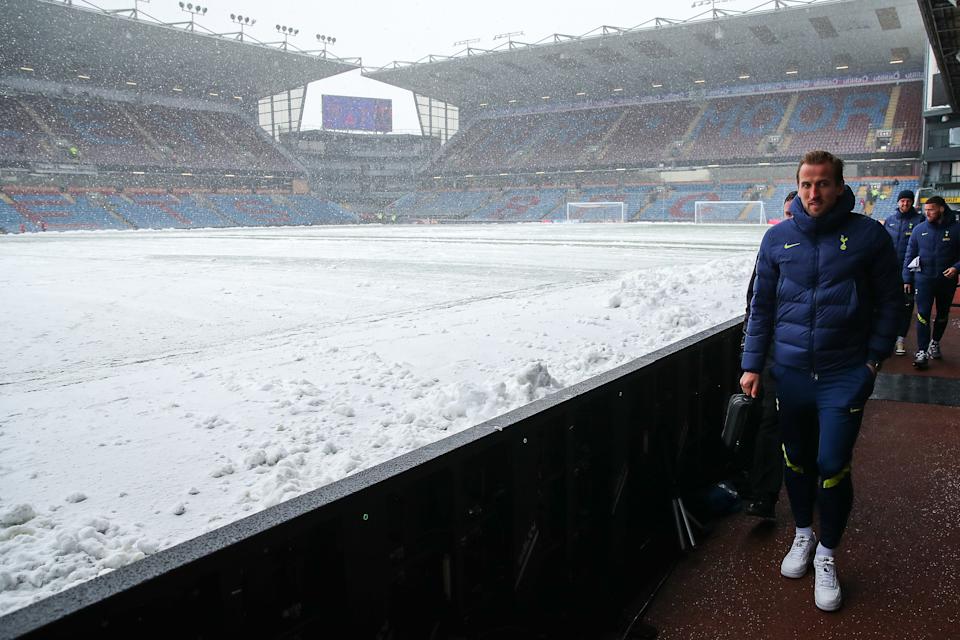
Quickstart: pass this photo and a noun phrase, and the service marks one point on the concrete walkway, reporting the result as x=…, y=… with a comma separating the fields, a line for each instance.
x=900, y=558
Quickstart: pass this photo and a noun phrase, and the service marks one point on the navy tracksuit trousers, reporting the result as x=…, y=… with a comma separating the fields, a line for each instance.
x=907, y=318
x=819, y=421
x=932, y=291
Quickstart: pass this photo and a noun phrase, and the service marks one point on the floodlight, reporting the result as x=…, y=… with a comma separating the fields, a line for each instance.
x=181, y=5
x=296, y=31
x=333, y=40
x=278, y=27
x=190, y=6
x=233, y=16
x=204, y=11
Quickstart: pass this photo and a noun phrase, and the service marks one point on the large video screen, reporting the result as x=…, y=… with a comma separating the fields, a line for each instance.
x=357, y=114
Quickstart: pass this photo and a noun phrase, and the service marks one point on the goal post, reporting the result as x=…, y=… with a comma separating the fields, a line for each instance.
x=596, y=212
x=729, y=212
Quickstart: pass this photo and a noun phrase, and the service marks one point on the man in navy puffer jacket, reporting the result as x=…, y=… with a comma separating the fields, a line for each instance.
x=937, y=243
x=900, y=226
x=826, y=305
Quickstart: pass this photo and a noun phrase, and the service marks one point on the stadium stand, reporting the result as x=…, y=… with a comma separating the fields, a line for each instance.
x=37, y=210
x=309, y=209
x=52, y=210
x=164, y=211
x=520, y=205
x=110, y=134
x=733, y=129
x=21, y=136
x=116, y=136
x=649, y=202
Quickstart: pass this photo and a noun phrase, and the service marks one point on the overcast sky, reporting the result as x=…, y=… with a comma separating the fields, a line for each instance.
x=381, y=31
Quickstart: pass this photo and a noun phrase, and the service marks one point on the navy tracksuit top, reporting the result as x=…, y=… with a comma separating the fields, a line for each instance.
x=827, y=293
x=900, y=226
x=938, y=246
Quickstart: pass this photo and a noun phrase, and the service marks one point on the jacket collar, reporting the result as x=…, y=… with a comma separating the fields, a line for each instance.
x=829, y=220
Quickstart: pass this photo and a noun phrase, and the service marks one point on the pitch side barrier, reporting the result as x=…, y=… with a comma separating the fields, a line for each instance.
x=554, y=517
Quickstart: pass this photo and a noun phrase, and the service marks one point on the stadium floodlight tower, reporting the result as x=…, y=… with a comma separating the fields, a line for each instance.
x=194, y=10
x=243, y=21
x=729, y=212
x=596, y=212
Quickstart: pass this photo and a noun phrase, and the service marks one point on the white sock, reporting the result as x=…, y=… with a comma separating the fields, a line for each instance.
x=899, y=338
x=823, y=551
x=805, y=531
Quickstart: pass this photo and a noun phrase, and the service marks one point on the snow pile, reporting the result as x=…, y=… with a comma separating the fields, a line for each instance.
x=136, y=417
x=664, y=303
x=42, y=554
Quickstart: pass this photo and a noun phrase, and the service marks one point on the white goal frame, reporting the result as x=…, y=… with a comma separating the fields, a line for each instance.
x=599, y=205
x=698, y=205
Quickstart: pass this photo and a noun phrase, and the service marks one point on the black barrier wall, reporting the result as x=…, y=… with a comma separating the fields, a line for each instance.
x=547, y=521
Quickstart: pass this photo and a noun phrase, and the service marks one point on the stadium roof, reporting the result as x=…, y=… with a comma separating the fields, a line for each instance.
x=717, y=48
x=57, y=42
x=942, y=21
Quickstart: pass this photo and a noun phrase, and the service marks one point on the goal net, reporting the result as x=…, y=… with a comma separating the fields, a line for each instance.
x=729, y=212
x=596, y=212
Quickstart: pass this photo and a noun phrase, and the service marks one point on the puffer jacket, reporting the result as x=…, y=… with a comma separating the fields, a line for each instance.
x=827, y=295
x=938, y=246
x=900, y=226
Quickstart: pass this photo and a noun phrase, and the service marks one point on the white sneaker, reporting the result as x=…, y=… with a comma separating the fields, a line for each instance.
x=933, y=351
x=826, y=590
x=901, y=348
x=797, y=560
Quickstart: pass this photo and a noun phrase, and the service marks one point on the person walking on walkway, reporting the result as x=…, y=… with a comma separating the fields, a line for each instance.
x=825, y=308
x=936, y=242
x=766, y=470
x=900, y=226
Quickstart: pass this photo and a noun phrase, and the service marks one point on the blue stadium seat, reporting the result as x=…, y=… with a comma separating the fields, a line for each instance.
x=58, y=212
x=164, y=211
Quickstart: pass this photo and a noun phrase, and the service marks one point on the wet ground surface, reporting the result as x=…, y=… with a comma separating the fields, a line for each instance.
x=899, y=559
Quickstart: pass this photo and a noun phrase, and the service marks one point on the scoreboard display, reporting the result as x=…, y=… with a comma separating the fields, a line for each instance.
x=347, y=113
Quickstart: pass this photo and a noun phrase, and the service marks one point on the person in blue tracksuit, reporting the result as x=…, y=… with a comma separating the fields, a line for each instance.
x=937, y=243
x=826, y=306
x=900, y=226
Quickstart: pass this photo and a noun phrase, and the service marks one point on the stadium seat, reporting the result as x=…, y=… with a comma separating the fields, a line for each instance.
x=54, y=212
x=126, y=134
x=734, y=129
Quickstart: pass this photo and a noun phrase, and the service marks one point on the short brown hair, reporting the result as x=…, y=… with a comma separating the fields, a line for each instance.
x=937, y=200
x=820, y=156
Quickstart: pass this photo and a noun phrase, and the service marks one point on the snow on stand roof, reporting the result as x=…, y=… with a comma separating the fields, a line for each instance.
x=722, y=48
x=63, y=43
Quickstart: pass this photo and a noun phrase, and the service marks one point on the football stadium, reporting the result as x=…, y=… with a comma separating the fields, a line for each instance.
x=265, y=379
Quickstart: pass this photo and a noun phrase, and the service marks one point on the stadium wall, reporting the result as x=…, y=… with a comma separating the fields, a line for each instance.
x=554, y=515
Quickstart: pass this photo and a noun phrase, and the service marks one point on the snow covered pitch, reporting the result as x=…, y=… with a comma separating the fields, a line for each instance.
x=155, y=385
